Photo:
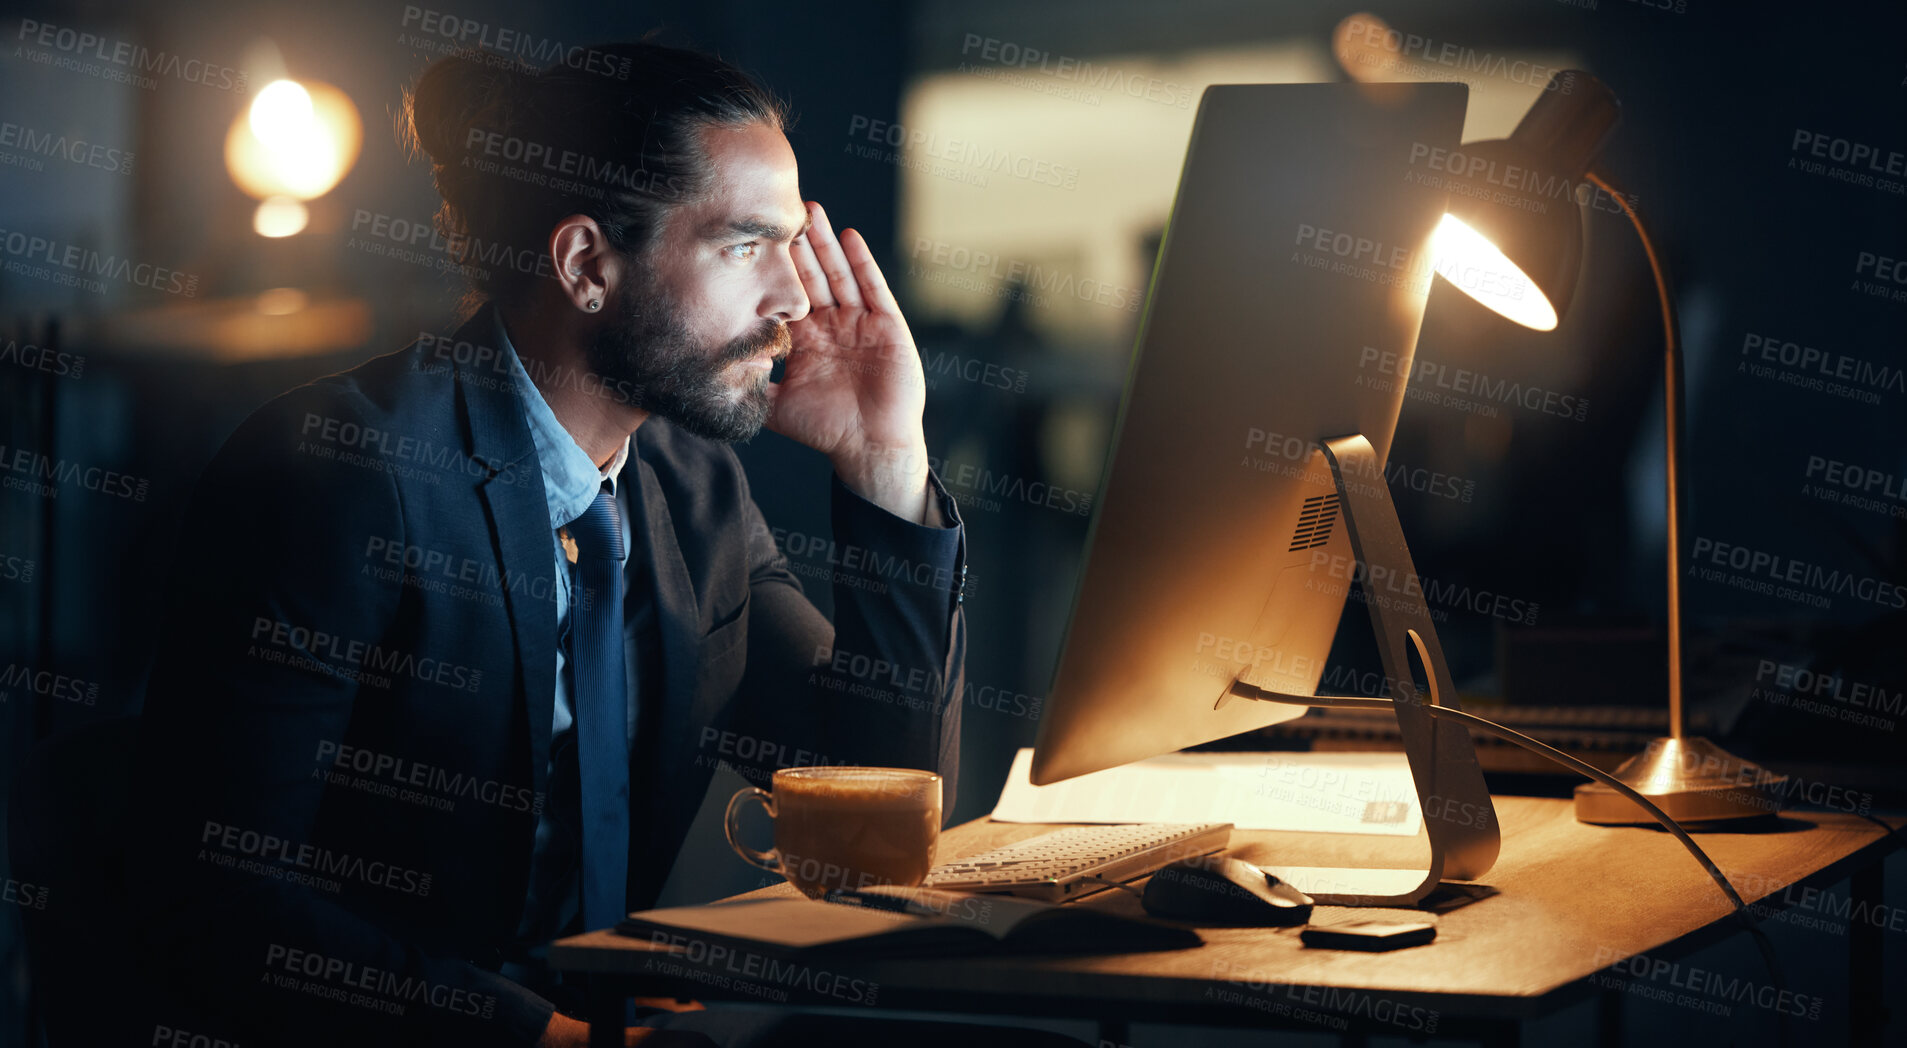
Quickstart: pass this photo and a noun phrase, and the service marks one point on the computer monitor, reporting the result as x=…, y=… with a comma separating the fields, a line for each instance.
x=1284, y=307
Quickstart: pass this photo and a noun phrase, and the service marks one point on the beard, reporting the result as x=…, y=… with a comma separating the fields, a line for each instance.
x=647, y=348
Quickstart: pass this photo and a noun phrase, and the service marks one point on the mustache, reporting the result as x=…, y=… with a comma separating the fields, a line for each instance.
x=773, y=335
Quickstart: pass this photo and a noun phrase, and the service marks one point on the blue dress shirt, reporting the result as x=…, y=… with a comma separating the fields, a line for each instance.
x=570, y=483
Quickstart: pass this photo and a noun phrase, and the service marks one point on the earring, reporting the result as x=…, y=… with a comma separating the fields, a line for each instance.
x=593, y=305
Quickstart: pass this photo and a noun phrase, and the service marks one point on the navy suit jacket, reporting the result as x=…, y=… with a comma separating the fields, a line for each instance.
x=347, y=723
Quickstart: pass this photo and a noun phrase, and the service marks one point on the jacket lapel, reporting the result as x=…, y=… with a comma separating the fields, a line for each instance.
x=513, y=497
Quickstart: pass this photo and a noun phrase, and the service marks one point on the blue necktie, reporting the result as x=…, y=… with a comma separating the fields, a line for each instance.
x=602, y=695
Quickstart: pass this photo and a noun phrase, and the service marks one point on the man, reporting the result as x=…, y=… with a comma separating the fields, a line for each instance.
x=400, y=733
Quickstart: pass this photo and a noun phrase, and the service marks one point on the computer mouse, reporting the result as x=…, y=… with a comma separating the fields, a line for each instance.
x=1223, y=889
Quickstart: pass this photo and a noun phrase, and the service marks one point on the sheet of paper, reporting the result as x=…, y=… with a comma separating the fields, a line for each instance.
x=1369, y=793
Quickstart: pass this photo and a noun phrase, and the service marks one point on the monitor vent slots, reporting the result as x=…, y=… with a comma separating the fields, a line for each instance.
x=1315, y=521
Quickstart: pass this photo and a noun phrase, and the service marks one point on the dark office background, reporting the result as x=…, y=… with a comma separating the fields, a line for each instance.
x=1563, y=514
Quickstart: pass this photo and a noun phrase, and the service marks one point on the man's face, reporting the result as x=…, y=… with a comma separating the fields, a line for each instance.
x=701, y=320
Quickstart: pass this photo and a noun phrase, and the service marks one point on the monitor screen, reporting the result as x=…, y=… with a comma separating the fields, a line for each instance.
x=1298, y=250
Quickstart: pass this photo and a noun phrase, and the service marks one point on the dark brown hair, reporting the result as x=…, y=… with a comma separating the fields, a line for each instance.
x=610, y=132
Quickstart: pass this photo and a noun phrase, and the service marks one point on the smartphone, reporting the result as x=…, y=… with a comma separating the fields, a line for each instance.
x=1369, y=935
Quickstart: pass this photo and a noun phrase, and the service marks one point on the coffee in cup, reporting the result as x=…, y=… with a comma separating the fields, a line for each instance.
x=845, y=827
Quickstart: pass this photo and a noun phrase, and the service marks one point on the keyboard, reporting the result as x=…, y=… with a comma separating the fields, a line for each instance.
x=1066, y=864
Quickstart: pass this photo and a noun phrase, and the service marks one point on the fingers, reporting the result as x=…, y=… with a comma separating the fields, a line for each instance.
x=867, y=273
x=840, y=270
x=834, y=264
x=808, y=268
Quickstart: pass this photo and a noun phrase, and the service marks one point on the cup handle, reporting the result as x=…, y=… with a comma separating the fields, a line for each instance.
x=769, y=860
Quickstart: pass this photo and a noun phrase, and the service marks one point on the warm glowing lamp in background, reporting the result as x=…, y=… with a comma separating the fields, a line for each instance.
x=1505, y=222
x=293, y=144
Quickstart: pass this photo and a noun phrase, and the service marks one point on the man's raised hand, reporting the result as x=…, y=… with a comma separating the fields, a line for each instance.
x=853, y=388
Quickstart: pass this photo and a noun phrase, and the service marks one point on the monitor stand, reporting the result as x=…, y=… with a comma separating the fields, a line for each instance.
x=1458, y=816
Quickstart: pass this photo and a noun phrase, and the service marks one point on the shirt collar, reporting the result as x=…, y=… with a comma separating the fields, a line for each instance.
x=570, y=480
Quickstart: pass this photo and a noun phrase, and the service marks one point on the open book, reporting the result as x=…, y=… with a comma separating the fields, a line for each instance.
x=887, y=921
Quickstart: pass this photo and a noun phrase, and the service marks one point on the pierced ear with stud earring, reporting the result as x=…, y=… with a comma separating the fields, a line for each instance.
x=594, y=305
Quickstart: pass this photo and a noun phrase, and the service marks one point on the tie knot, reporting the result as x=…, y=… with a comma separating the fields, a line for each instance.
x=598, y=532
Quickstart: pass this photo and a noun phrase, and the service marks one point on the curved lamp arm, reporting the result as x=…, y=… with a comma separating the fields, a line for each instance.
x=1672, y=428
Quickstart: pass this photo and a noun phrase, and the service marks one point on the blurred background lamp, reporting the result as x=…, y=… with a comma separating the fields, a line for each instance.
x=280, y=216
x=294, y=143
x=1512, y=242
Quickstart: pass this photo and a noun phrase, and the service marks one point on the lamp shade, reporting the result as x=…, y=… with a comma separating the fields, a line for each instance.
x=1520, y=195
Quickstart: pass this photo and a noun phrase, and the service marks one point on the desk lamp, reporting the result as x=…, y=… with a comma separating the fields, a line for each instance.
x=1557, y=141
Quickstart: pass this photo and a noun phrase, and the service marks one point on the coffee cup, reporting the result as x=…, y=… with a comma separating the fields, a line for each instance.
x=845, y=827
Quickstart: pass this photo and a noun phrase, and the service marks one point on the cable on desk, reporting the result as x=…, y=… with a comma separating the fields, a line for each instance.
x=1580, y=767
x=1762, y=943
x=1112, y=884
x=1541, y=749
x=1886, y=830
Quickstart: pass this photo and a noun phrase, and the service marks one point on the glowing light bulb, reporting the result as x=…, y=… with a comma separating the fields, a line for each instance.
x=282, y=114
x=1467, y=259
x=295, y=140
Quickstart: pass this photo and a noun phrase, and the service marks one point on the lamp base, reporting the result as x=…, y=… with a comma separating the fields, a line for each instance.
x=1691, y=779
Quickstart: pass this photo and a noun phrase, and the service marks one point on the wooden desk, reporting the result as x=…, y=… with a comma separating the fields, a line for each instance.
x=1569, y=900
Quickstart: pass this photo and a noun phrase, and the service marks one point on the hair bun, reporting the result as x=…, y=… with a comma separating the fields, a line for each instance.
x=462, y=91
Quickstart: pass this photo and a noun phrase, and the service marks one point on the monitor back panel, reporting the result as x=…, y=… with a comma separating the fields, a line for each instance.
x=1283, y=311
